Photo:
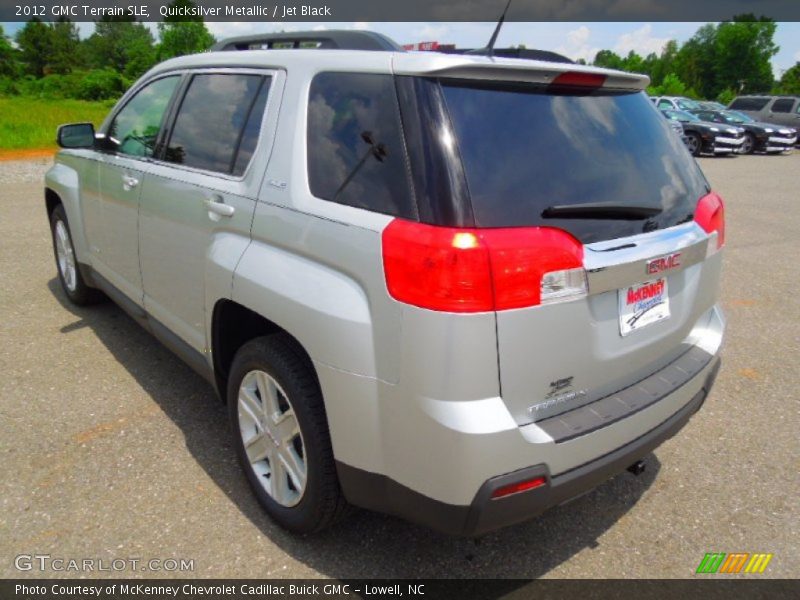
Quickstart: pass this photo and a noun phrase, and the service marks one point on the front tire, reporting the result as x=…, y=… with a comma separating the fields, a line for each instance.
x=749, y=144
x=694, y=143
x=69, y=273
x=281, y=434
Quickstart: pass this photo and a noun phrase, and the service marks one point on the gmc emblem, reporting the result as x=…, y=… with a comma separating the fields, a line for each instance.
x=665, y=263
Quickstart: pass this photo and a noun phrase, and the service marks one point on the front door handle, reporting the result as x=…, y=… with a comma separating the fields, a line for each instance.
x=129, y=182
x=215, y=204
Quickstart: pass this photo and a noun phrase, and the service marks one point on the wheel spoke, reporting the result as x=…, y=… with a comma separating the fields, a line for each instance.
x=259, y=447
x=250, y=405
x=294, y=465
x=278, y=481
x=286, y=427
x=268, y=392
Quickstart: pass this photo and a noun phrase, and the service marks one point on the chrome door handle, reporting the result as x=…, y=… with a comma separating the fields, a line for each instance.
x=217, y=205
x=129, y=182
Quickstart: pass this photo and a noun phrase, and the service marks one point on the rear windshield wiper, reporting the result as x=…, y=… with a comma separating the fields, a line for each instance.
x=600, y=210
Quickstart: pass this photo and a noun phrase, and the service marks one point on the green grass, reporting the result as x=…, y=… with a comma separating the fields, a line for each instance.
x=30, y=123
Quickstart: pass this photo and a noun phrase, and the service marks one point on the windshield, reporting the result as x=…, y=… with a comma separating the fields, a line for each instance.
x=680, y=115
x=526, y=148
x=737, y=117
x=687, y=104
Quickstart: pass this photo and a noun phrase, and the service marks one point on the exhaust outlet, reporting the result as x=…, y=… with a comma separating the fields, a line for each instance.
x=638, y=467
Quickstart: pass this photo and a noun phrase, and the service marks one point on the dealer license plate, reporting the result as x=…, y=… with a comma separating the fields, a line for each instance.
x=642, y=305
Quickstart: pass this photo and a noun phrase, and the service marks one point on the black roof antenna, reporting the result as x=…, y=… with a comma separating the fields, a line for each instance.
x=489, y=49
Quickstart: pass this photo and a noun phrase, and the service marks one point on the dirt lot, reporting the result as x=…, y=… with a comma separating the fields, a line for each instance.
x=112, y=448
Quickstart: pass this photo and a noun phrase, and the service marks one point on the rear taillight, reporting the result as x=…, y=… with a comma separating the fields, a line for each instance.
x=579, y=79
x=477, y=270
x=710, y=215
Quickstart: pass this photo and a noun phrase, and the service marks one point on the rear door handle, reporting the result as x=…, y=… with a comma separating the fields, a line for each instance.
x=129, y=182
x=215, y=204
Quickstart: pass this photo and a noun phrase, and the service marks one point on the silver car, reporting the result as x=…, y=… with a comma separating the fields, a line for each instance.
x=456, y=288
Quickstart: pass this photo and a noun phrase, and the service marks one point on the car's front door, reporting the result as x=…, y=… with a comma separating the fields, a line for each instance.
x=784, y=111
x=130, y=142
x=198, y=200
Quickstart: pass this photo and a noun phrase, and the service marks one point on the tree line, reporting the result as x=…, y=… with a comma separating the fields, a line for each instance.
x=718, y=62
x=50, y=60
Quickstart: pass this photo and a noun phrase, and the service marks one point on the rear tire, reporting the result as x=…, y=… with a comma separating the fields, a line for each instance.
x=281, y=434
x=69, y=273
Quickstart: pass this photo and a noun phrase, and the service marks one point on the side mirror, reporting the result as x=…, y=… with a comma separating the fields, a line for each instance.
x=76, y=135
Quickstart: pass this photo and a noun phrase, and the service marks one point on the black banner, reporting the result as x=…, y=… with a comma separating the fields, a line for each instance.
x=430, y=589
x=400, y=10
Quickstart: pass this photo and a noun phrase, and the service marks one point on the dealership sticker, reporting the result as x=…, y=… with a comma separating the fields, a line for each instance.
x=642, y=305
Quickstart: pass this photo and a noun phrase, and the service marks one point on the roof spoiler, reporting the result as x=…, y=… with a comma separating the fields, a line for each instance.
x=326, y=40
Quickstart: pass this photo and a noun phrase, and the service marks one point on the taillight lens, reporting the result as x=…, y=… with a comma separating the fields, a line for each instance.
x=579, y=79
x=478, y=270
x=710, y=215
x=522, y=486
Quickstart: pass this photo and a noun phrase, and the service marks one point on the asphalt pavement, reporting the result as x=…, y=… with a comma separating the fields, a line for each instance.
x=111, y=448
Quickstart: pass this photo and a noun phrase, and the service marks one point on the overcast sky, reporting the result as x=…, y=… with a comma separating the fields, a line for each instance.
x=576, y=40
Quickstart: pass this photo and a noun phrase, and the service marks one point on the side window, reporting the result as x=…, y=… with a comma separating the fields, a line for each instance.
x=134, y=130
x=664, y=104
x=783, y=105
x=752, y=104
x=218, y=122
x=356, y=154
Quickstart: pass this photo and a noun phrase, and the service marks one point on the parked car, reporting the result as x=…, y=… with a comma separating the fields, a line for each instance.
x=704, y=137
x=676, y=103
x=780, y=110
x=424, y=284
x=711, y=105
x=758, y=137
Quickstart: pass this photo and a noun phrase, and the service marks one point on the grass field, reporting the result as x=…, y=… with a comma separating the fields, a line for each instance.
x=30, y=123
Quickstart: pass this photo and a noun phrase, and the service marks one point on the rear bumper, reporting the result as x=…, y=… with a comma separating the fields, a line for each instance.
x=378, y=492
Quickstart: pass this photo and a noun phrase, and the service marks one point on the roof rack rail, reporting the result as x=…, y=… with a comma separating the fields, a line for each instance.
x=325, y=40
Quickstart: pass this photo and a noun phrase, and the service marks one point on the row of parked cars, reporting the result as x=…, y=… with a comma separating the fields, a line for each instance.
x=712, y=128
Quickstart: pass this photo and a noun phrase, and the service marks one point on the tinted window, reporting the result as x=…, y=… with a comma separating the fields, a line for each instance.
x=134, y=131
x=356, y=154
x=783, y=105
x=525, y=149
x=749, y=103
x=664, y=104
x=252, y=129
x=210, y=125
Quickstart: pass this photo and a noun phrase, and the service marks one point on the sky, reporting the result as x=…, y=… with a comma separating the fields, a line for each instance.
x=575, y=40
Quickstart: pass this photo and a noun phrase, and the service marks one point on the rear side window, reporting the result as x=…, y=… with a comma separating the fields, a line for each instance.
x=526, y=149
x=783, y=105
x=752, y=104
x=218, y=121
x=356, y=154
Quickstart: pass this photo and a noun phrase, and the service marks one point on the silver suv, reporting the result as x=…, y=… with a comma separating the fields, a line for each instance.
x=459, y=289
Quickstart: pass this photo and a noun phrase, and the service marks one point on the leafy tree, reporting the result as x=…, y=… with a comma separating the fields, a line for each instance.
x=743, y=51
x=183, y=35
x=671, y=85
x=726, y=96
x=790, y=81
x=7, y=56
x=608, y=59
x=64, y=46
x=34, y=41
x=121, y=44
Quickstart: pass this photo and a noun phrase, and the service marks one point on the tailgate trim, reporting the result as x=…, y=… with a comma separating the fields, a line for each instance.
x=628, y=401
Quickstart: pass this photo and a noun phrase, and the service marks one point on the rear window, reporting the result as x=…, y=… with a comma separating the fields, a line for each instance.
x=749, y=103
x=783, y=105
x=527, y=149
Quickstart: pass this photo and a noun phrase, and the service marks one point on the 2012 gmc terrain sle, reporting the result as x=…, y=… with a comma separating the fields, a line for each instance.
x=460, y=289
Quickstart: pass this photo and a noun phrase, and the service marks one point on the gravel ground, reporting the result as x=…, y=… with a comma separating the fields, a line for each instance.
x=112, y=448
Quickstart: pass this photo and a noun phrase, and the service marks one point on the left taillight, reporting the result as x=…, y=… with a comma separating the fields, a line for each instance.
x=710, y=215
x=477, y=270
